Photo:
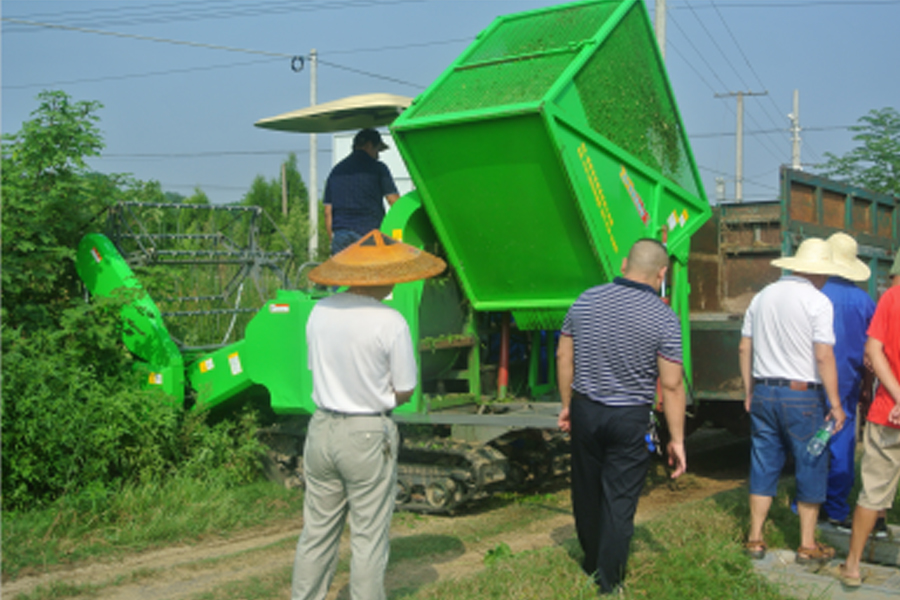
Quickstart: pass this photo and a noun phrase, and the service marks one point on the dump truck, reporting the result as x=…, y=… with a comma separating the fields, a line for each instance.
x=538, y=158
x=730, y=262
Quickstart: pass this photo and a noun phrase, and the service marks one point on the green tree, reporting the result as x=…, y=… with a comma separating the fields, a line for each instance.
x=875, y=163
x=74, y=417
x=49, y=197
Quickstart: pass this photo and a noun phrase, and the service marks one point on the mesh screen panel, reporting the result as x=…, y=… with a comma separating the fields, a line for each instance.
x=498, y=84
x=627, y=101
x=539, y=320
x=519, y=73
x=542, y=32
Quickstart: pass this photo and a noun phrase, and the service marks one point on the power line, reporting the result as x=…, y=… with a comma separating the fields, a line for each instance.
x=806, y=4
x=763, y=132
x=210, y=47
x=368, y=74
x=183, y=12
x=147, y=38
x=139, y=75
x=206, y=154
x=747, y=62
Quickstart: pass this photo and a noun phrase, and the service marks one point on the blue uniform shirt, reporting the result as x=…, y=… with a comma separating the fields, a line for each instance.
x=355, y=189
x=853, y=310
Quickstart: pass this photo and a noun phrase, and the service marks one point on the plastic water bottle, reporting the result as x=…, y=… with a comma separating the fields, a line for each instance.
x=820, y=440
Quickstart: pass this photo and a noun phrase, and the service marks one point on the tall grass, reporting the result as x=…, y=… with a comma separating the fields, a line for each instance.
x=139, y=518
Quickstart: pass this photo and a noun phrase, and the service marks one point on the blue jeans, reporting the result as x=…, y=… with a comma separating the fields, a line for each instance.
x=341, y=238
x=782, y=421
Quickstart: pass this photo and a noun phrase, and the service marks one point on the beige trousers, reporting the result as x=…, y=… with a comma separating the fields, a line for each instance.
x=350, y=468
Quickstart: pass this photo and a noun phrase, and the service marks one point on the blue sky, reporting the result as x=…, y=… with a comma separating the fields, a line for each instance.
x=183, y=114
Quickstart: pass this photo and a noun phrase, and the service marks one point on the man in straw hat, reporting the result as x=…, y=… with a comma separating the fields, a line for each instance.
x=853, y=310
x=363, y=365
x=881, y=447
x=787, y=362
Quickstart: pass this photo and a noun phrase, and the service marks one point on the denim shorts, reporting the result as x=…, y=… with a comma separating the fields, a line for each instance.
x=782, y=421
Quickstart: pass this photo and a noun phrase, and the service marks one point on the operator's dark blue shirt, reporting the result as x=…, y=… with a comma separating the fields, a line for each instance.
x=355, y=189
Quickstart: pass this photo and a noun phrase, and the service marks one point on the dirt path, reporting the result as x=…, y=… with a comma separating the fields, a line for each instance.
x=266, y=555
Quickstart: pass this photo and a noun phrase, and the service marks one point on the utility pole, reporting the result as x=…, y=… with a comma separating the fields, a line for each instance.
x=284, y=195
x=659, y=25
x=795, y=133
x=739, y=148
x=313, y=167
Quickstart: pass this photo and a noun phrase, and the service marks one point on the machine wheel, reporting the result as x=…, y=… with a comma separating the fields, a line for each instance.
x=439, y=494
x=403, y=493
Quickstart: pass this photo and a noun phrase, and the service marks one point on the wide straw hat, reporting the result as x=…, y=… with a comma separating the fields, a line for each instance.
x=377, y=259
x=813, y=257
x=843, y=250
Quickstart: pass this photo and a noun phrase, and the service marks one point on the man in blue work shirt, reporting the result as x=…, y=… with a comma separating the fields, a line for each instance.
x=355, y=190
x=853, y=310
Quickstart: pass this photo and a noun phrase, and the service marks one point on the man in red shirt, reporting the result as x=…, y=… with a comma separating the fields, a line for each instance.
x=881, y=461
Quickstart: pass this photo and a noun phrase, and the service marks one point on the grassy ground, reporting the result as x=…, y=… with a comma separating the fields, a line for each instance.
x=691, y=551
x=136, y=520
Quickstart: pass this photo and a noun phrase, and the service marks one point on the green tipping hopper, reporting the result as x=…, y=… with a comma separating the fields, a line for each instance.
x=549, y=147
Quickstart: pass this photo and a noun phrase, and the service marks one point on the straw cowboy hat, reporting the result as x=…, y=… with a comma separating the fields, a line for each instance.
x=377, y=259
x=814, y=257
x=843, y=250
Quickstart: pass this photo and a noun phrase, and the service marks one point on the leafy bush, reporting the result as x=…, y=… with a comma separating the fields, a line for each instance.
x=76, y=422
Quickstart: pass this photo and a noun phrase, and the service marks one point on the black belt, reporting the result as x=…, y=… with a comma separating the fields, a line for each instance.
x=337, y=413
x=799, y=386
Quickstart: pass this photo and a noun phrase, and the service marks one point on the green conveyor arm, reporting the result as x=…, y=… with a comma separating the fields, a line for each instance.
x=107, y=275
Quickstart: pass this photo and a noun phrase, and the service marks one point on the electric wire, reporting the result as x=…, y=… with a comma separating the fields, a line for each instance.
x=212, y=47
x=141, y=75
x=147, y=38
x=182, y=12
x=752, y=70
x=749, y=114
x=805, y=4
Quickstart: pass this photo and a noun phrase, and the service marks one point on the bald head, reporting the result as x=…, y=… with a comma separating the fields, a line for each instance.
x=647, y=262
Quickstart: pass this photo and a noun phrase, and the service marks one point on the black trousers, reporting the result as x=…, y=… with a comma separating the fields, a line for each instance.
x=609, y=466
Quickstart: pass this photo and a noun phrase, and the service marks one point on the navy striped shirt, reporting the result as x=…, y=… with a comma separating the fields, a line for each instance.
x=618, y=330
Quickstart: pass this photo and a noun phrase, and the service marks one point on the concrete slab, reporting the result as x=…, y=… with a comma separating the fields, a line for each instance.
x=882, y=552
x=813, y=581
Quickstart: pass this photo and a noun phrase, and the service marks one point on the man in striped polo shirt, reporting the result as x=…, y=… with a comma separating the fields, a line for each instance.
x=617, y=340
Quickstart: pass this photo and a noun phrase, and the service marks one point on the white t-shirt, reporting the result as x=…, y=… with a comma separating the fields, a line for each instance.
x=360, y=352
x=784, y=320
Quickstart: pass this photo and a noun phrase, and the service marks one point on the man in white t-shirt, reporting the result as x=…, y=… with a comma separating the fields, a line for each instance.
x=363, y=365
x=790, y=385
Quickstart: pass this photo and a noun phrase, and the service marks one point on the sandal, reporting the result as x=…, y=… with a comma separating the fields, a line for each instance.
x=847, y=580
x=755, y=549
x=819, y=554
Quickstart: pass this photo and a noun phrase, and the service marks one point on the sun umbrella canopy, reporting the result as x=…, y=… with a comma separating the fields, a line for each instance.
x=346, y=114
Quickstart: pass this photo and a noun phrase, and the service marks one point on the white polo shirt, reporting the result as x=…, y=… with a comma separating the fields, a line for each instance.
x=784, y=320
x=360, y=352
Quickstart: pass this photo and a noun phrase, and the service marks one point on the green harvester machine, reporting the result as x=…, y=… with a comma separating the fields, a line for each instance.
x=538, y=157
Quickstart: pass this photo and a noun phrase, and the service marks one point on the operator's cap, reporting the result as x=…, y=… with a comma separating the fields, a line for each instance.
x=377, y=259
x=369, y=135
